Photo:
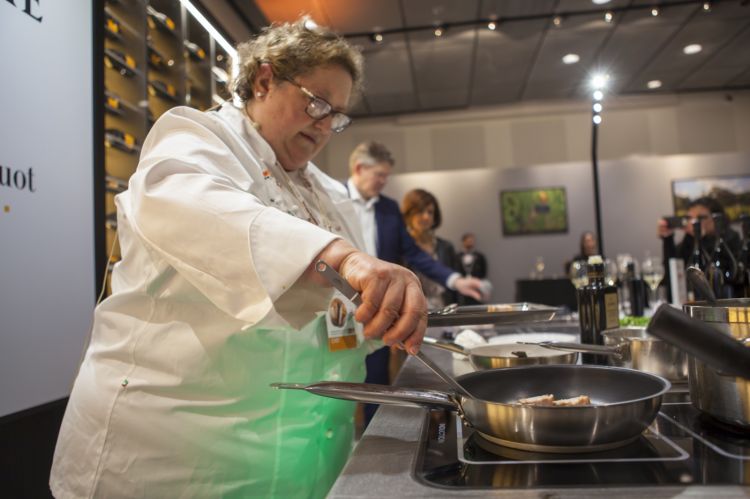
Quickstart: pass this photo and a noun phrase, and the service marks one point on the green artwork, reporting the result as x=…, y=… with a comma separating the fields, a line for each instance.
x=534, y=211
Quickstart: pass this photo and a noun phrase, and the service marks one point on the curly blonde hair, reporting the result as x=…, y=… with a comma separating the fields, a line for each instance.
x=293, y=49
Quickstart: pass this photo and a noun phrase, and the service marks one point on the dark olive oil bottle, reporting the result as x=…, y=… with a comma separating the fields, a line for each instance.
x=598, y=307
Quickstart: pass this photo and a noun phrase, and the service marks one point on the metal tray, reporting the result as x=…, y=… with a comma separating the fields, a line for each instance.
x=498, y=313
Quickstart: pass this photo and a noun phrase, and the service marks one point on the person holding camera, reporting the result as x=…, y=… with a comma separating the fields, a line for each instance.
x=702, y=208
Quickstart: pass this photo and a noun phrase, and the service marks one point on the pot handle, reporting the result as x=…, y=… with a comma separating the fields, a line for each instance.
x=375, y=394
x=614, y=351
x=701, y=340
x=445, y=345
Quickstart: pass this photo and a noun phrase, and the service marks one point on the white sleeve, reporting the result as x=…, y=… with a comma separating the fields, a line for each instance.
x=194, y=210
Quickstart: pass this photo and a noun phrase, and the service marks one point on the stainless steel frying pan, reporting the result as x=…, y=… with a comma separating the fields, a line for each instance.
x=624, y=403
x=505, y=355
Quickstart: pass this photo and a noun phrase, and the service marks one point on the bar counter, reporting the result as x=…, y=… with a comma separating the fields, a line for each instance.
x=382, y=464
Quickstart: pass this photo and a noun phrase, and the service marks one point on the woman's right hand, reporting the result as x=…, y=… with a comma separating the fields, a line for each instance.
x=393, y=305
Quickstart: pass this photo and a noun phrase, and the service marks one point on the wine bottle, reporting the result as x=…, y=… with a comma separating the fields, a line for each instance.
x=159, y=20
x=636, y=293
x=598, y=308
x=119, y=61
x=722, y=273
x=697, y=258
x=120, y=140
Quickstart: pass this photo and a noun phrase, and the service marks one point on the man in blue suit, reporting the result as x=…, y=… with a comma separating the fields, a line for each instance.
x=386, y=237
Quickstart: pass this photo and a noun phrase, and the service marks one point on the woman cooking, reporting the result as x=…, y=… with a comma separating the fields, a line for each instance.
x=216, y=297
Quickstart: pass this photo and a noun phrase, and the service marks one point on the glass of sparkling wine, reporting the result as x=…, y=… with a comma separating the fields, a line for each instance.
x=652, y=272
x=578, y=274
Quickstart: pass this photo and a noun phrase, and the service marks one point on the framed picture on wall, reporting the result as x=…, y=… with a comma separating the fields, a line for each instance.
x=534, y=211
x=732, y=191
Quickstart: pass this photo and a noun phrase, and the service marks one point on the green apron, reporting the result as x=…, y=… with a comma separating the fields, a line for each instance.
x=305, y=440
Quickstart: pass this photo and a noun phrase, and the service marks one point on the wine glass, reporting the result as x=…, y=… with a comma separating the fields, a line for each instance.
x=539, y=267
x=652, y=271
x=610, y=272
x=578, y=274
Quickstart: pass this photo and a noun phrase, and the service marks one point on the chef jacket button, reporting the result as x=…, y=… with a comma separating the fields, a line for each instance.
x=329, y=433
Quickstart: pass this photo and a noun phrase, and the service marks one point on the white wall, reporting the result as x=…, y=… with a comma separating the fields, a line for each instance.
x=467, y=157
x=635, y=193
x=555, y=132
x=46, y=226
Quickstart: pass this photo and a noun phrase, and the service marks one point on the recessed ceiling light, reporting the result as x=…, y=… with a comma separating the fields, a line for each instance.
x=608, y=16
x=557, y=21
x=570, y=58
x=654, y=84
x=693, y=48
x=597, y=107
x=439, y=31
x=597, y=119
x=598, y=95
x=492, y=25
x=655, y=11
x=600, y=2
x=599, y=81
x=377, y=37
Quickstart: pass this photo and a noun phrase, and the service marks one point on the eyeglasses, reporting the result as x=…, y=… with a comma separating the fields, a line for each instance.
x=319, y=109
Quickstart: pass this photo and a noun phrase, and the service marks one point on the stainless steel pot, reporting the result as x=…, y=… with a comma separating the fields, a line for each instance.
x=509, y=355
x=647, y=353
x=624, y=403
x=726, y=398
x=634, y=348
x=716, y=337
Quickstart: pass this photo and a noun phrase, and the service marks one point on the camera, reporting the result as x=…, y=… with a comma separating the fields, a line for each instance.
x=674, y=222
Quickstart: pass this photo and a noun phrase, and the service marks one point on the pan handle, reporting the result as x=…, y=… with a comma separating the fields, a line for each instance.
x=614, y=351
x=701, y=340
x=444, y=345
x=375, y=394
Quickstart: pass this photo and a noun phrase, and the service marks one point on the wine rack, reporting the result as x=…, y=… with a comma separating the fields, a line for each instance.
x=156, y=56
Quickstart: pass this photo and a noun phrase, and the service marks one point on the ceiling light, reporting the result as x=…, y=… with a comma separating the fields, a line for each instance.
x=597, y=119
x=691, y=49
x=600, y=2
x=377, y=37
x=599, y=81
x=655, y=11
x=570, y=58
x=598, y=95
x=492, y=25
x=608, y=16
x=597, y=107
x=707, y=6
x=654, y=84
x=439, y=31
x=557, y=21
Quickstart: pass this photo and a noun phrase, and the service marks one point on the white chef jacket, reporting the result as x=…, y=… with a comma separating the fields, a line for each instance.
x=172, y=398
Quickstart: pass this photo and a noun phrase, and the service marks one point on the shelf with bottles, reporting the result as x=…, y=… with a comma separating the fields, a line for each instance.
x=129, y=14
x=117, y=106
x=197, y=54
x=165, y=77
x=220, y=71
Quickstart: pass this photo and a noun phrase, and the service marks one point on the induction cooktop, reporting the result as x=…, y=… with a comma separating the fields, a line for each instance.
x=681, y=447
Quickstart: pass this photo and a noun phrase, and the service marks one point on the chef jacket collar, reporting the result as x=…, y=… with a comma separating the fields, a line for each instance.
x=241, y=123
